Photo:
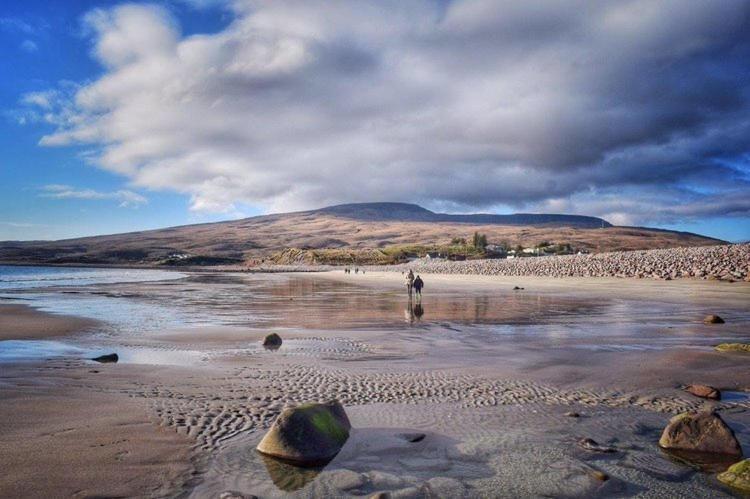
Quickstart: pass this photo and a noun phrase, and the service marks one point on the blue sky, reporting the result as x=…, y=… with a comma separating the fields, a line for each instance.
x=120, y=116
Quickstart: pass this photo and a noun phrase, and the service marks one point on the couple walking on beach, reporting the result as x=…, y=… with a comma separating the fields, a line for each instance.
x=415, y=284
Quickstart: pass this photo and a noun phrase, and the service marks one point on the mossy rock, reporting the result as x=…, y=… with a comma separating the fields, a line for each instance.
x=733, y=347
x=307, y=435
x=737, y=476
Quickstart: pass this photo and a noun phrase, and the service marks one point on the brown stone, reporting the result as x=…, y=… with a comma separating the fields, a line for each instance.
x=713, y=319
x=702, y=432
x=704, y=391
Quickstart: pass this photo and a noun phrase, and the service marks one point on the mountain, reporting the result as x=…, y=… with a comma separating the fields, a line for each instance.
x=405, y=212
x=372, y=232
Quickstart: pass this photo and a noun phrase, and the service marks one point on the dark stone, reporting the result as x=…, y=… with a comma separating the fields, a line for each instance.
x=412, y=437
x=713, y=319
x=272, y=341
x=105, y=359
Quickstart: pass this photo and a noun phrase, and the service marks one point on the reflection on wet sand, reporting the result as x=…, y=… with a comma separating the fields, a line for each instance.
x=302, y=302
x=413, y=311
x=286, y=476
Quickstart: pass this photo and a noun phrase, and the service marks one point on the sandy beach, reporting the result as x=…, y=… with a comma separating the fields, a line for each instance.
x=487, y=372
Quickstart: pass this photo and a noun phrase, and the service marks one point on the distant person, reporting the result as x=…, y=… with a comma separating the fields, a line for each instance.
x=418, y=285
x=409, y=282
x=356, y=270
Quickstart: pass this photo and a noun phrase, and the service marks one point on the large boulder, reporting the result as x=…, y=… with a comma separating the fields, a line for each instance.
x=704, y=391
x=700, y=432
x=737, y=476
x=307, y=435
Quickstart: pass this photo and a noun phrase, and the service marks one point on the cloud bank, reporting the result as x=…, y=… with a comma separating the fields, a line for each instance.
x=635, y=109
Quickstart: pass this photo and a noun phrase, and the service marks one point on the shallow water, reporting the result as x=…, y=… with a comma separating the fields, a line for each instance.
x=487, y=373
x=32, y=350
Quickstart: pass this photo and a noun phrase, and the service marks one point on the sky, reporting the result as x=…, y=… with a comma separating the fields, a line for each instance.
x=120, y=116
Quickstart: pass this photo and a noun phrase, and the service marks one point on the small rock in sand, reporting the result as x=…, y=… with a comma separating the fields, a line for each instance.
x=703, y=432
x=593, y=446
x=232, y=494
x=272, y=340
x=307, y=435
x=713, y=319
x=572, y=414
x=704, y=391
x=733, y=347
x=109, y=358
x=381, y=495
x=600, y=475
x=517, y=288
x=412, y=437
x=737, y=476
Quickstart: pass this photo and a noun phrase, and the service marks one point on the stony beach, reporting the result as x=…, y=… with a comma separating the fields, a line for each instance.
x=492, y=376
x=724, y=262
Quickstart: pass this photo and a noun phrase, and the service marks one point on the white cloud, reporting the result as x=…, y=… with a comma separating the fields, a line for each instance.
x=29, y=46
x=472, y=103
x=126, y=198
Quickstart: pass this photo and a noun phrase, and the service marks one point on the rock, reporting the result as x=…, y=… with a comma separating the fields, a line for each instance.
x=517, y=288
x=381, y=495
x=703, y=432
x=347, y=479
x=713, y=319
x=443, y=487
x=593, y=446
x=232, y=494
x=412, y=437
x=737, y=476
x=704, y=391
x=307, y=435
x=733, y=347
x=572, y=414
x=105, y=359
x=272, y=340
x=600, y=475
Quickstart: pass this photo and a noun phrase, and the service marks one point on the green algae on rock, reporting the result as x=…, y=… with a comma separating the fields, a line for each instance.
x=307, y=435
x=733, y=347
x=737, y=476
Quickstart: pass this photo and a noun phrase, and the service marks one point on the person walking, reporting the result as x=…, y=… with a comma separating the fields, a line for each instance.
x=418, y=285
x=409, y=282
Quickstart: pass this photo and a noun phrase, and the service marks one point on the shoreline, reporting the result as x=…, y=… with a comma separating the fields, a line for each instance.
x=728, y=262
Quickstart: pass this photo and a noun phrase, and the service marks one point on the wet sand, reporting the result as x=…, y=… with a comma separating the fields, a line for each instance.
x=486, y=372
x=21, y=322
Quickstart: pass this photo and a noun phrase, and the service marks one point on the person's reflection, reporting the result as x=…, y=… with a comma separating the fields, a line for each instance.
x=413, y=312
x=409, y=312
x=418, y=310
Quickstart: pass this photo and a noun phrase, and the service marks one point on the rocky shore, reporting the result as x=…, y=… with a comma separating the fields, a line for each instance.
x=726, y=262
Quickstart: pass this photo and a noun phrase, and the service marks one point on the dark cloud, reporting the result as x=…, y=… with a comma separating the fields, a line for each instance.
x=470, y=104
